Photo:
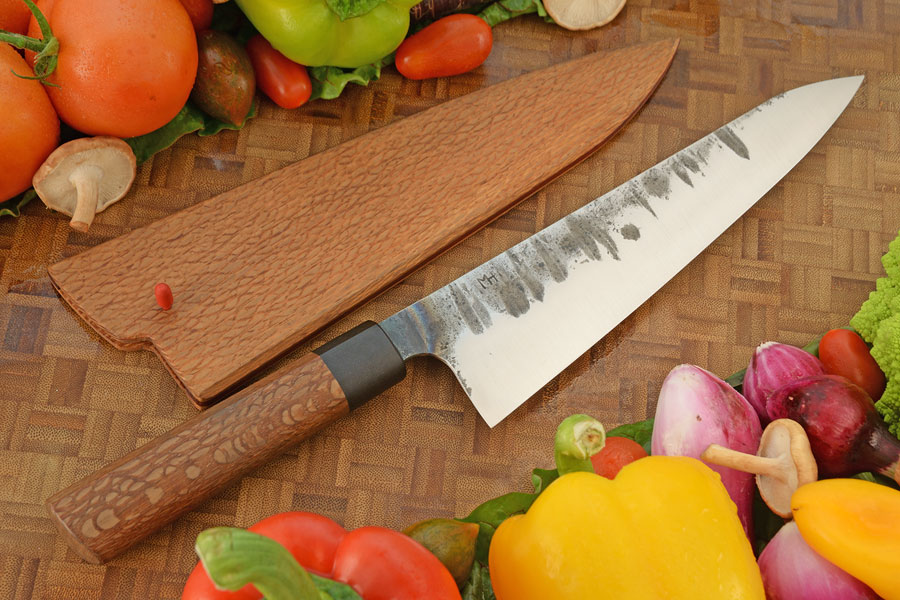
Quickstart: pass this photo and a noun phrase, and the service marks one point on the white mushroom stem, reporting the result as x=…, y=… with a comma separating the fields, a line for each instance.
x=748, y=463
x=86, y=179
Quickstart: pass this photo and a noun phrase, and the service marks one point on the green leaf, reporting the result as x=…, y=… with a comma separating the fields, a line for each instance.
x=877, y=478
x=641, y=432
x=188, y=120
x=13, y=206
x=334, y=589
x=504, y=10
x=329, y=82
x=483, y=541
x=490, y=514
x=213, y=126
x=493, y=512
x=736, y=380
x=541, y=478
x=347, y=9
x=765, y=523
x=479, y=585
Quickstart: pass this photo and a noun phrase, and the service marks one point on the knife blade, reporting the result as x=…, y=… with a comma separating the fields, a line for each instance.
x=505, y=328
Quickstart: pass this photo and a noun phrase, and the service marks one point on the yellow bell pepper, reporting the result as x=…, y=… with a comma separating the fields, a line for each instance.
x=665, y=527
x=855, y=525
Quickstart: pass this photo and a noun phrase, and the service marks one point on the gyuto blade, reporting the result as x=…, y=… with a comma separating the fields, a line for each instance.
x=505, y=329
x=511, y=325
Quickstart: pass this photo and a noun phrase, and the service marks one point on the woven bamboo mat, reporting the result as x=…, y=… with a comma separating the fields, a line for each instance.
x=798, y=263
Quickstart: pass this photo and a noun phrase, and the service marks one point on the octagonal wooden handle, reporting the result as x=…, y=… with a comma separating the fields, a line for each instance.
x=109, y=511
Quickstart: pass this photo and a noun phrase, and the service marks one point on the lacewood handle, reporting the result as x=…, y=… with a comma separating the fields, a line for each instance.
x=109, y=511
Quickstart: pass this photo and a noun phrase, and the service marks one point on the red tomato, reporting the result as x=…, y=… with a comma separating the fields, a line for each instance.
x=200, y=12
x=14, y=15
x=125, y=74
x=449, y=46
x=617, y=453
x=844, y=353
x=30, y=128
x=383, y=564
x=281, y=79
x=311, y=538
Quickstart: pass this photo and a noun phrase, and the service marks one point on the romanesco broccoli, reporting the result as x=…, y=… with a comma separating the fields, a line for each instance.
x=878, y=322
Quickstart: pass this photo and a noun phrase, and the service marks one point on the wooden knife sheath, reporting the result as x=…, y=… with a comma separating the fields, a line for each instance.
x=259, y=268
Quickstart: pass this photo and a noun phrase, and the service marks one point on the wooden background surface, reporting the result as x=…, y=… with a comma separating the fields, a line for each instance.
x=797, y=264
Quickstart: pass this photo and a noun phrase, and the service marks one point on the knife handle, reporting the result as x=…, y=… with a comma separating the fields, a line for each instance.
x=109, y=511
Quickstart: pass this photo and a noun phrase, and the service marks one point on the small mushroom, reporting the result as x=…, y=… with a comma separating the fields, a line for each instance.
x=84, y=176
x=783, y=463
x=583, y=14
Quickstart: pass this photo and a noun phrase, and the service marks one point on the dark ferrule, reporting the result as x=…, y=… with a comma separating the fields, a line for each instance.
x=364, y=362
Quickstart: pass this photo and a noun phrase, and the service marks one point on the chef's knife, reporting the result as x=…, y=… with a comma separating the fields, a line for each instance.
x=505, y=329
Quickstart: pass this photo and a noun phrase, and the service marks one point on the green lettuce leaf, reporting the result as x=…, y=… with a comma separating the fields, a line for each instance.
x=334, y=589
x=13, y=206
x=504, y=10
x=479, y=585
x=347, y=9
x=641, y=432
x=188, y=120
x=329, y=82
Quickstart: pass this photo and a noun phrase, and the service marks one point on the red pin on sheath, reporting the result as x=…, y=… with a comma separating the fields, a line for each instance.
x=163, y=294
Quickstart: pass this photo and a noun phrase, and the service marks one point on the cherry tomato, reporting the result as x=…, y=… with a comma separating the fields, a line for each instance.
x=200, y=12
x=844, y=353
x=30, y=129
x=127, y=73
x=449, y=46
x=617, y=453
x=383, y=564
x=281, y=79
x=14, y=15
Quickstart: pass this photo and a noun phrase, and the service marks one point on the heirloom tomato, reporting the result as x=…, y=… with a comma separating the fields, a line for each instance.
x=29, y=130
x=125, y=74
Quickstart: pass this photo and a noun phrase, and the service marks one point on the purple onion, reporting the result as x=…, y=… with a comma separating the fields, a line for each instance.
x=696, y=409
x=773, y=365
x=792, y=570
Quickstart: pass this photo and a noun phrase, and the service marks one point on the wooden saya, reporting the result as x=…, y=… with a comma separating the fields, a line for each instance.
x=259, y=268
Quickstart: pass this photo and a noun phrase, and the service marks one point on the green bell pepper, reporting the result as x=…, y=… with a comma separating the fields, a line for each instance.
x=338, y=33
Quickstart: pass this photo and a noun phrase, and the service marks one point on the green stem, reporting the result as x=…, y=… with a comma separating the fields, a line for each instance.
x=22, y=42
x=47, y=48
x=235, y=557
x=578, y=438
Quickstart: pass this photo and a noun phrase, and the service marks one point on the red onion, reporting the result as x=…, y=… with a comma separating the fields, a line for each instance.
x=846, y=434
x=771, y=366
x=791, y=570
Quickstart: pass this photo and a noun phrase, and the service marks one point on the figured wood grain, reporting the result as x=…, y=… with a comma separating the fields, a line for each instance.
x=113, y=509
x=257, y=269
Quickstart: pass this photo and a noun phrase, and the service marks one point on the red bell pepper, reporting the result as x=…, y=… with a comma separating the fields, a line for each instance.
x=379, y=563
